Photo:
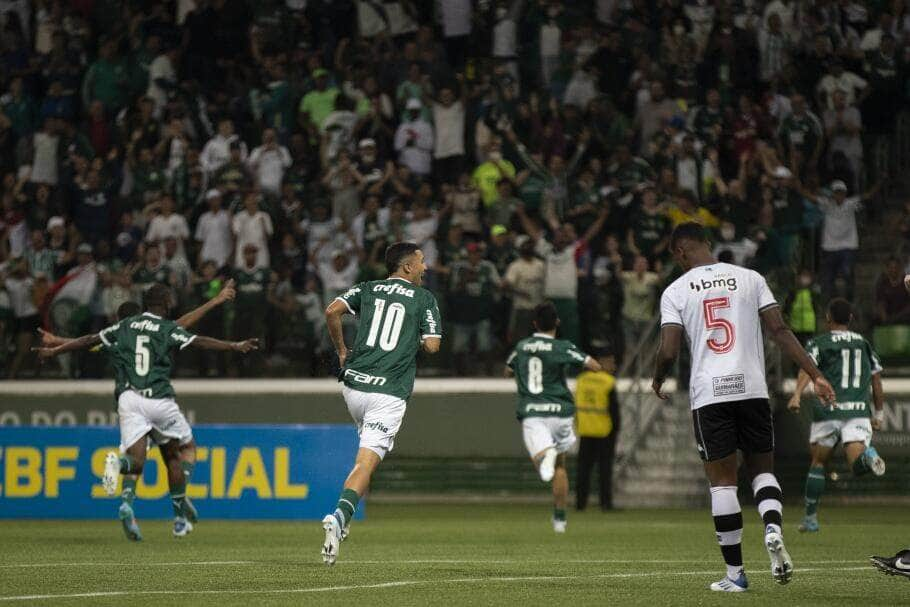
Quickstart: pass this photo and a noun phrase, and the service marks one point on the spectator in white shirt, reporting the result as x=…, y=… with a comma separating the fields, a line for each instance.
x=843, y=125
x=214, y=232
x=268, y=163
x=252, y=226
x=162, y=78
x=218, y=149
x=448, y=122
x=456, y=16
x=854, y=87
x=168, y=224
x=337, y=275
x=414, y=140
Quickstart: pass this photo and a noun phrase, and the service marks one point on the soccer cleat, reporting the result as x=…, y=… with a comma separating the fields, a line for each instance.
x=182, y=527
x=559, y=526
x=345, y=532
x=111, y=473
x=781, y=564
x=809, y=525
x=128, y=520
x=332, y=539
x=548, y=465
x=740, y=584
x=899, y=564
x=189, y=510
x=874, y=461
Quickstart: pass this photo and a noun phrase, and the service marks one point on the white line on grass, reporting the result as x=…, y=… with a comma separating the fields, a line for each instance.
x=139, y=564
x=473, y=580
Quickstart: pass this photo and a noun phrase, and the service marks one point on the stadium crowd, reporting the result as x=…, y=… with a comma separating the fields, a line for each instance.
x=533, y=148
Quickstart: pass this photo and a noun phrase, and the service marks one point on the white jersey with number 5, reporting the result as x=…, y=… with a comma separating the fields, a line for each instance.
x=718, y=306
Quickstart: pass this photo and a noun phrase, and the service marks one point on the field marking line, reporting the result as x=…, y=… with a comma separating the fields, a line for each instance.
x=139, y=564
x=396, y=584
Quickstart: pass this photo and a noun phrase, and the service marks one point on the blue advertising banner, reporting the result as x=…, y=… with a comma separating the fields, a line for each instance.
x=242, y=472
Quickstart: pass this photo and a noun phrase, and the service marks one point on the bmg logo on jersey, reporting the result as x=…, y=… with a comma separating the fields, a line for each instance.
x=715, y=283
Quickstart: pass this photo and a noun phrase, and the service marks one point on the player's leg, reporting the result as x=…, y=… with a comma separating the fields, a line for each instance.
x=899, y=564
x=187, y=456
x=815, y=481
x=540, y=445
x=171, y=430
x=560, y=494
x=715, y=436
x=755, y=430
x=134, y=458
x=134, y=428
x=607, y=451
x=584, y=464
x=861, y=455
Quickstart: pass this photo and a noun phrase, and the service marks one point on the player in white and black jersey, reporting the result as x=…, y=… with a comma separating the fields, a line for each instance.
x=721, y=308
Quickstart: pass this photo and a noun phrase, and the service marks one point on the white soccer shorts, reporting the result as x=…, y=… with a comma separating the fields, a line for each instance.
x=159, y=416
x=378, y=418
x=541, y=433
x=855, y=430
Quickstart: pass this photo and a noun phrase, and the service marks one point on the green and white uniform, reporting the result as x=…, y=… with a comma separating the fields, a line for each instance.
x=395, y=316
x=140, y=351
x=545, y=403
x=848, y=361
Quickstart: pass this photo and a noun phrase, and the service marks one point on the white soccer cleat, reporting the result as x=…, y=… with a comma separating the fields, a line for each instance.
x=559, y=526
x=345, y=532
x=332, y=539
x=548, y=465
x=781, y=564
x=111, y=473
x=740, y=584
x=182, y=527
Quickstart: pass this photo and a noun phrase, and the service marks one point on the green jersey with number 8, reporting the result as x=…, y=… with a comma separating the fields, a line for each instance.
x=395, y=316
x=540, y=364
x=847, y=361
x=140, y=351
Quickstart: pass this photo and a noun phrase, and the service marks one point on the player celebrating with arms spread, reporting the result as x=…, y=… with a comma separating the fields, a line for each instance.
x=720, y=307
x=545, y=405
x=851, y=365
x=397, y=318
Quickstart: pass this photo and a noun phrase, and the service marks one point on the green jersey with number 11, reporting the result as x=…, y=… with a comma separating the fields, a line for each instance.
x=140, y=350
x=540, y=363
x=395, y=316
x=847, y=361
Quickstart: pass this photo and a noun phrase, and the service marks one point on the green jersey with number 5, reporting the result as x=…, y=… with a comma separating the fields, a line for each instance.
x=140, y=351
x=540, y=364
x=847, y=361
x=395, y=316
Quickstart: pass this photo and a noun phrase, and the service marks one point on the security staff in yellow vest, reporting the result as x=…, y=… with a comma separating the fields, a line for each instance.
x=801, y=306
x=597, y=422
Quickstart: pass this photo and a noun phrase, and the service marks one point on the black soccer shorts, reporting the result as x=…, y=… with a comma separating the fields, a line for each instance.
x=722, y=428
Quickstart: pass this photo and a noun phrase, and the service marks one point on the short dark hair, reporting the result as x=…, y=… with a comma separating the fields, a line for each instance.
x=840, y=310
x=396, y=253
x=157, y=296
x=545, y=316
x=689, y=230
x=127, y=309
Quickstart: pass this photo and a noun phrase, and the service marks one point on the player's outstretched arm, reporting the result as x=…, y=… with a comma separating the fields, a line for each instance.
x=227, y=293
x=779, y=331
x=878, y=401
x=333, y=315
x=80, y=343
x=591, y=364
x=210, y=343
x=670, y=339
x=49, y=340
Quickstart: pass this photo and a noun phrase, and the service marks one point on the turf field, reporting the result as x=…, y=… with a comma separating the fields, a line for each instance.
x=448, y=555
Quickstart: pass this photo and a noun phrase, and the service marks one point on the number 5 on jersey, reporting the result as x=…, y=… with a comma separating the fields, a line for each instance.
x=713, y=323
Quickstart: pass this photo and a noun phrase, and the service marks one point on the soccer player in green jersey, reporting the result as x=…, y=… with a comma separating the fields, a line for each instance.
x=398, y=317
x=140, y=349
x=186, y=453
x=851, y=365
x=546, y=408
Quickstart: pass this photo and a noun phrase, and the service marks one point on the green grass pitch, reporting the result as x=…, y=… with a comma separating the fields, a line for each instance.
x=503, y=554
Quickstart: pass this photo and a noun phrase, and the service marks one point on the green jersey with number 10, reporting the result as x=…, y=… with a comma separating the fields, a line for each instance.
x=395, y=316
x=847, y=361
x=540, y=363
x=140, y=350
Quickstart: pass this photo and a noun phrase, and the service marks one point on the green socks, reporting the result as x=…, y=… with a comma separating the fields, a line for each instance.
x=178, y=495
x=860, y=466
x=559, y=514
x=347, y=504
x=815, y=486
x=127, y=464
x=129, y=490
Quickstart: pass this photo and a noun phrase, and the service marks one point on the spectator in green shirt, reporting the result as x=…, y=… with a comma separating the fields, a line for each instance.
x=106, y=79
x=487, y=175
x=316, y=105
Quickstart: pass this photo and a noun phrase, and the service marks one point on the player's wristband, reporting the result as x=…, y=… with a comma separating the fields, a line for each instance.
x=878, y=415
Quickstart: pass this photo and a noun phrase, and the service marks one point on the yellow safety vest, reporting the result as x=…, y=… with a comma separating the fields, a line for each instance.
x=802, y=312
x=592, y=404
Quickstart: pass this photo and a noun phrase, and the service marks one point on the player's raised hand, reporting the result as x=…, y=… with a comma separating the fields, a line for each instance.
x=657, y=386
x=247, y=345
x=48, y=339
x=228, y=292
x=823, y=390
x=793, y=403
